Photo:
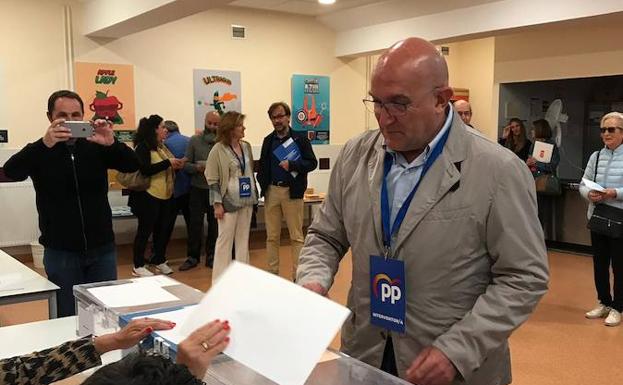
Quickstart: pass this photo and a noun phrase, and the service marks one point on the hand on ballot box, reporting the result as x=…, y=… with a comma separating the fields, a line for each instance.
x=197, y=351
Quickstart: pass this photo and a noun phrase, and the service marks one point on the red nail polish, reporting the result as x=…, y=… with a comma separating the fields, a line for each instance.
x=226, y=327
x=149, y=330
x=226, y=339
x=173, y=323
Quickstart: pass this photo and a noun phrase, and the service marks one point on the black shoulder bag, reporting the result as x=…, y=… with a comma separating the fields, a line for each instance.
x=606, y=220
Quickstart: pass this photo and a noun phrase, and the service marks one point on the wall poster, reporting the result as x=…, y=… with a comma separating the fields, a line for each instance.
x=215, y=90
x=108, y=92
x=311, y=107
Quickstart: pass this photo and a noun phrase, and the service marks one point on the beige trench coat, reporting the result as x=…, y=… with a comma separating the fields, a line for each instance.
x=474, y=254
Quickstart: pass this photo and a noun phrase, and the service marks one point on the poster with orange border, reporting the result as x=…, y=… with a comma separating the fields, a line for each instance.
x=108, y=92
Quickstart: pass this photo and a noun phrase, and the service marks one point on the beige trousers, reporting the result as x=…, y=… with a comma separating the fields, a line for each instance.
x=276, y=206
x=234, y=227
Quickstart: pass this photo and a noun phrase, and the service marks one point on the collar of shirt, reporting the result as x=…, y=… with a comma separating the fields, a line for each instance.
x=283, y=138
x=617, y=151
x=399, y=159
x=403, y=176
x=209, y=136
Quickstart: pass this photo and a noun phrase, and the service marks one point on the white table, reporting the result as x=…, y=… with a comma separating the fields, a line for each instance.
x=35, y=336
x=18, y=283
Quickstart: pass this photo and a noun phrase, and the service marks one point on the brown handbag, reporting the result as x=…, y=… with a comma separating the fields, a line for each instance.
x=135, y=180
x=547, y=184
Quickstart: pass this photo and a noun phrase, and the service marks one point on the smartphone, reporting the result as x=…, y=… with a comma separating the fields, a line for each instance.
x=79, y=129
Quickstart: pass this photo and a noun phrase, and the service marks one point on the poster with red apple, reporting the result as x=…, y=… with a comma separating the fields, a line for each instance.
x=108, y=92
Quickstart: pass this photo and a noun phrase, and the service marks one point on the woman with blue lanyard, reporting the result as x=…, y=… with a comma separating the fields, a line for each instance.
x=229, y=172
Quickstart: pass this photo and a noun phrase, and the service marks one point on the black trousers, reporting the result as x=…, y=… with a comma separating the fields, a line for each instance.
x=606, y=252
x=545, y=205
x=154, y=217
x=199, y=204
x=182, y=203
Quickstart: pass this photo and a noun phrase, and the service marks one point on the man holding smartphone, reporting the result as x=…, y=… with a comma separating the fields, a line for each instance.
x=70, y=177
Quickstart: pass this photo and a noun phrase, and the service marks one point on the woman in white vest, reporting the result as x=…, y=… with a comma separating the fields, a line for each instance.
x=605, y=167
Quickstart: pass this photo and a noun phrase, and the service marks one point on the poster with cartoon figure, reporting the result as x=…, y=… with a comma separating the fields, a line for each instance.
x=108, y=92
x=215, y=91
x=310, y=107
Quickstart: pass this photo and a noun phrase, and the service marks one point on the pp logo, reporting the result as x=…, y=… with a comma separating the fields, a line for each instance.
x=390, y=289
x=246, y=187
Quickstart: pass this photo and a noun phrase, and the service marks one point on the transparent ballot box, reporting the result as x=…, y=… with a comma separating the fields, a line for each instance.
x=100, y=305
x=340, y=369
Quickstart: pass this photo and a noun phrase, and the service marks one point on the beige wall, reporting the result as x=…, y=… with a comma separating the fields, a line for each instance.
x=278, y=45
x=470, y=65
x=32, y=65
x=559, y=52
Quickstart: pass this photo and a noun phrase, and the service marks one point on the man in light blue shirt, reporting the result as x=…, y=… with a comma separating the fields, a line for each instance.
x=404, y=176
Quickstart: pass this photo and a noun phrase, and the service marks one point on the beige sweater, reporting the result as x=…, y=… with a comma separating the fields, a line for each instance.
x=222, y=163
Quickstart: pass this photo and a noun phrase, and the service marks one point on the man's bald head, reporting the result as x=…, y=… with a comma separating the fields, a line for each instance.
x=410, y=92
x=212, y=119
x=418, y=58
x=464, y=109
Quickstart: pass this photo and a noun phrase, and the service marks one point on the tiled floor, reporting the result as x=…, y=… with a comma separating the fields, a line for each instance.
x=557, y=345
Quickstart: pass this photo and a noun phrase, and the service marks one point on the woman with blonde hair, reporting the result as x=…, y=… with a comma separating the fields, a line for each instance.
x=605, y=167
x=229, y=173
x=514, y=138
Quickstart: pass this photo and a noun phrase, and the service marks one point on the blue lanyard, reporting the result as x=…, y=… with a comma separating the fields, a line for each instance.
x=243, y=161
x=385, y=206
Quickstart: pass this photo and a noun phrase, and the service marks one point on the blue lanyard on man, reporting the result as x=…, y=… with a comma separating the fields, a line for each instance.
x=387, y=275
x=389, y=232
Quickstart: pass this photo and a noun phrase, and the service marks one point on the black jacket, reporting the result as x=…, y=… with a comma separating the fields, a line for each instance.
x=306, y=164
x=72, y=195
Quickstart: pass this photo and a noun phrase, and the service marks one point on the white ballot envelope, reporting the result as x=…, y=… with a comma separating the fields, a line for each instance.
x=542, y=152
x=592, y=185
x=279, y=329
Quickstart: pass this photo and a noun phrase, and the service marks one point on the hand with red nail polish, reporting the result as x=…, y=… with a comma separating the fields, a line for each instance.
x=198, y=350
x=130, y=335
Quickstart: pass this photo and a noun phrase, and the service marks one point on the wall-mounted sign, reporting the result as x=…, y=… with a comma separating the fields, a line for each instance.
x=108, y=92
x=311, y=107
x=215, y=91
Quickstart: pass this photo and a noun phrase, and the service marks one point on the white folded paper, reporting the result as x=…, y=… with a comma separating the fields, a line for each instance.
x=542, y=151
x=278, y=329
x=592, y=185
x=132, y=294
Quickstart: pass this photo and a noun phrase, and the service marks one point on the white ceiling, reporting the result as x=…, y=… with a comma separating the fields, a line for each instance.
x=301, y=7
x=350, y=14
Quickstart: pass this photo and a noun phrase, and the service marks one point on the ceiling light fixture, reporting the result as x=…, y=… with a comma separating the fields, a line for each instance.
x=326, y=2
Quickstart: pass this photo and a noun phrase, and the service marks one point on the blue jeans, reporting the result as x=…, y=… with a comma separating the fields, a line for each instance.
x=69, y=268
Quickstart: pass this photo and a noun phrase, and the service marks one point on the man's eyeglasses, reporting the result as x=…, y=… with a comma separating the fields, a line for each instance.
x=611, y=130
x=278, y=117
x=392, y=108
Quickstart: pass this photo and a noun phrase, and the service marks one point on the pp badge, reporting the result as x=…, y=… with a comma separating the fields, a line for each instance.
x=387, y=293
x=244, y=186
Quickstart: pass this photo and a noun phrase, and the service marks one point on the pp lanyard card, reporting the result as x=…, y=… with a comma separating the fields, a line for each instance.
x=387, y=293
x=244, y=186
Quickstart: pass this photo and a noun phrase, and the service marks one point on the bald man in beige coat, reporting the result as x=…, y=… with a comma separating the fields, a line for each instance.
x=475, y=263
